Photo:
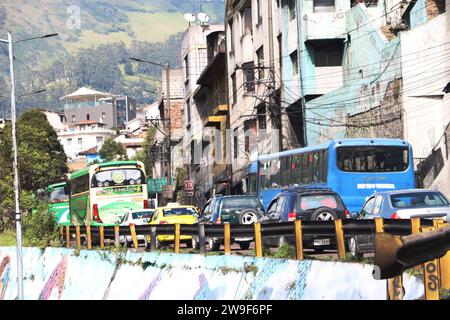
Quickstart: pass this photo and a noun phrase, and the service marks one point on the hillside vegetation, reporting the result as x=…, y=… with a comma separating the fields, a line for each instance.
x=95, y=54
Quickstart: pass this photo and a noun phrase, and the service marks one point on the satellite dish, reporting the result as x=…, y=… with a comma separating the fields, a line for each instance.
x=203, y=17
x=189, y=17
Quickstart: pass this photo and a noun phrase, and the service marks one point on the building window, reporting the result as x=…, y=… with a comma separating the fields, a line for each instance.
x=99, y=139
x=88, y=117
x=73, y=118
x=294, y=61
x=234, y=87
x=260, y=59
x=230, y=25
x=246, y=18
x=235, y=143
x=188, y=110
x=80, y=140
x=186, y=67
x=250, y=134
x=328, y=55
x=69, y=141
x=259, y=10
x=324, y=5
x=292, y=9
x=261, y=116
x=103, y=115
x=249, y=76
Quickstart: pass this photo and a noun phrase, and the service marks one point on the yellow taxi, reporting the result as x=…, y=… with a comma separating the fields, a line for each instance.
x=171, y=214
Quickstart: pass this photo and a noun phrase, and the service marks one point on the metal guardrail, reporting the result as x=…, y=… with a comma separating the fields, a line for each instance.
x=298, y=230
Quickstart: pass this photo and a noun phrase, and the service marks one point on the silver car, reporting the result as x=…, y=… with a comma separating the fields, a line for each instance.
x=398, y=204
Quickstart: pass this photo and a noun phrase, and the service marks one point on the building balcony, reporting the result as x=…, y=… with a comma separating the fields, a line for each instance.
x=324, y=25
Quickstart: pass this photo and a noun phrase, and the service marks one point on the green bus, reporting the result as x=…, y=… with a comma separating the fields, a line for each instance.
x=101, y=194
x=58, y=207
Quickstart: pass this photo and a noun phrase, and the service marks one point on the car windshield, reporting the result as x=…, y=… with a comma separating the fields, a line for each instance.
x=418, y=199
x=179, y=212
x=58, y=195
x=118, y=177
x=241, y=203
x=142, y=215
x=316, y=201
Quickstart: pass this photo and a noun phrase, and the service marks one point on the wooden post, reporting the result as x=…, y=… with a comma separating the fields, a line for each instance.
x=88, y=236
x=116, y=236
x=227, y=240
x=102, y=237
x=444, y=265
x=67, y=236
x=177, y=238
x=133, y=236
x=340, y=238
x=379, y=225
x=201, y=238
x=298, y=239
x=77, y=230
x=258, y=240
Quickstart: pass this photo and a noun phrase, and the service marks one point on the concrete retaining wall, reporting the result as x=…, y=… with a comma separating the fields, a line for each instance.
x=57, y=273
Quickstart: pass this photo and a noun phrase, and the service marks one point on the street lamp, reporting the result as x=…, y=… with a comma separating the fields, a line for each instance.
x=10, y=43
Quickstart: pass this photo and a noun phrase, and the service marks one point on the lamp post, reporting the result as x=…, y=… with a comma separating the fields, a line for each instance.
x=17, y=215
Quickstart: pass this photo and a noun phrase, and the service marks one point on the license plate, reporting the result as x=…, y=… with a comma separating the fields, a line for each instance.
x=322, y=242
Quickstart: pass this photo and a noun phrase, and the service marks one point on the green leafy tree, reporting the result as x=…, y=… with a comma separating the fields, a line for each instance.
x=41, y=161
x=112, y=150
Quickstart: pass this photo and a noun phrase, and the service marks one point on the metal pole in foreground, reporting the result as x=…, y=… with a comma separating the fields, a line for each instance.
x=16, y=174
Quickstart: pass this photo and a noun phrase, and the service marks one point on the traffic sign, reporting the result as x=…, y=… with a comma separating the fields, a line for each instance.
x=188, y=185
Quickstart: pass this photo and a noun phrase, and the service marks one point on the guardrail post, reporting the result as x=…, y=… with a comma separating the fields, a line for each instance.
x=227, y=240
x=298, y=239
x=431, y=275
x=152, y=238
x=116, y=236
x=258, y=240
x=88, y=237
x=201, y=238
x=134, y=237
x=77, y=232
x=444, y=265
x=67, y=236
x=340, y=238
x=102, y=237
x=394, y=290
x=177, y=238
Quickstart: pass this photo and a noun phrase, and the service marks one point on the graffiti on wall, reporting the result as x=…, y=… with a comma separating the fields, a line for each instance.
x=5, y=270
x=55, y=281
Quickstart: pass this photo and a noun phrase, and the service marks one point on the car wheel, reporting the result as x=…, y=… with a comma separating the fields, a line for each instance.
x=248, y=217
x=353, y=248
x=213, y=245
x=324, y=214
x=244, y=245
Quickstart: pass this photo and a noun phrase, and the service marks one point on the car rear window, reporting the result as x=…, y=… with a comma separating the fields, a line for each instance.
x=309, y=202
x=142, y=215
x=241, y=203
x=418, y=199
x=179, y=212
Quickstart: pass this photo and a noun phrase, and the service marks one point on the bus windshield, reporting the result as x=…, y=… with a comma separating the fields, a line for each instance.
x=118, y=177
x=58, y=195
x=372, y=158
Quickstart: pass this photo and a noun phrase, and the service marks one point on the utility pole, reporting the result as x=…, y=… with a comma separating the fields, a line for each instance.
x=16, y=173
x=17, y=215
x=167, y=116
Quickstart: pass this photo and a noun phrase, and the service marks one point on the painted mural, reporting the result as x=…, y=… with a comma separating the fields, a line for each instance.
x=61, y=274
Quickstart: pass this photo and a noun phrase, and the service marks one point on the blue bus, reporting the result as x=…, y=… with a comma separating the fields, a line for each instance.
x=354, y=168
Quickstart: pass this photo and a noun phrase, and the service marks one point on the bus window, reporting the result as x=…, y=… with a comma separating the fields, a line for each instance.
x=324, y=166
x=372, y=159
x=80, y=184
x=58, y=195
x=118, y=177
